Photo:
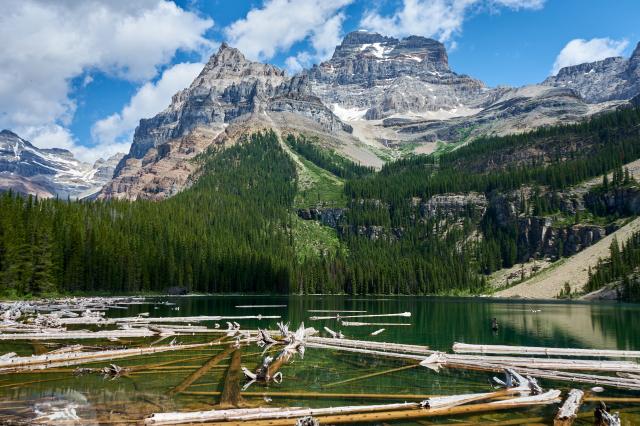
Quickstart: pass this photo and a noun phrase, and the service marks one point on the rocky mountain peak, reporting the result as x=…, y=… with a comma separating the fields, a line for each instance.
x=636, y=53
x=8, y=134
x=634, y=63
x=609, y=79
x=363, y=45
x=228, y=63
x=364, y=37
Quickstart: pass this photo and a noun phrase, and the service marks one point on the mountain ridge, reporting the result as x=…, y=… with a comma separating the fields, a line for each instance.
x=376, y=99
x=49, y=172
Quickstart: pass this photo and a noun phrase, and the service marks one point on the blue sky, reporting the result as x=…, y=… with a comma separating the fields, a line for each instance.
x=94, y=68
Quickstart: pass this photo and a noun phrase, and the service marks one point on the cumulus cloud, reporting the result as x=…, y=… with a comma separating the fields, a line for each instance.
x=440, y=19
x=150, y=99
x=57, y=136
x=279, y=24
x=579, y=51
x=48, y=44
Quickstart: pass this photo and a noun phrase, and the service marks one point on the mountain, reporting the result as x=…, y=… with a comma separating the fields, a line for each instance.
x=372, y=76
x=376, y=99
x=606, y=80
x=229, y=90
x=49, y=172
x=402, y=95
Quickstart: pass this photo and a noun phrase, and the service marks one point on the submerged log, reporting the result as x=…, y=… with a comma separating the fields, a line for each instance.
x=530, y=350
x=231, y=391
x=193, y=377
x=568, y=412
x=367, y=376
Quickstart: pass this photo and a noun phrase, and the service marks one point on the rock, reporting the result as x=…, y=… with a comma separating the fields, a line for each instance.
x=50, y=172
x=606, y=80
x=621, y=201
x=230, y=89
x=454, y=205
x=327, y=216
x=381, y=76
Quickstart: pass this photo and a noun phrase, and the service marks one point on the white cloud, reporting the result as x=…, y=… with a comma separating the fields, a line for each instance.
x=279, y=24
x=579, y=51
x=440, y=19
x=150, y=99
x=47, y=44
x=520, y=4
x=56, y=136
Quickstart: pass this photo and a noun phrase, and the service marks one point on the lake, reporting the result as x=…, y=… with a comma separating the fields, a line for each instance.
x=435, y=322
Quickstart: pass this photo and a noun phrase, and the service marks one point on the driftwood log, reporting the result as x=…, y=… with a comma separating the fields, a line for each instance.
x=530, y=350
x=568, y=412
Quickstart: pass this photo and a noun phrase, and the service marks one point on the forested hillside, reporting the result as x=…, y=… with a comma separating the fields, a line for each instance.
x=401, y=232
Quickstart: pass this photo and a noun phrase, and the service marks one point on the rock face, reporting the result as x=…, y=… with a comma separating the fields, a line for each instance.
x=229, y=89
x=620, y=201
x=454, y=205
x=542, y=239
x=372, y=76
x=376, y=97
x=606, y=80
x=48, y=172
x=394, y=92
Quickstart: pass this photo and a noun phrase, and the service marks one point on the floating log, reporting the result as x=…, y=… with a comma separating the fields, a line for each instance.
x=568, y=412
x=542, y=363
x=189, y=380
x=365, y=344
x=402, y=314
x=38, y=362
x=629, y=376
x=335, y=310
x=335, y=335
x=573, y=377
x=72, y=335
x=530, y=350
x=144, y=320
x=315, y=395
x=364, y=324
x=375, y=333
x=366, y=351
x=350, y=414
x=200, y=416
x=260, y=306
